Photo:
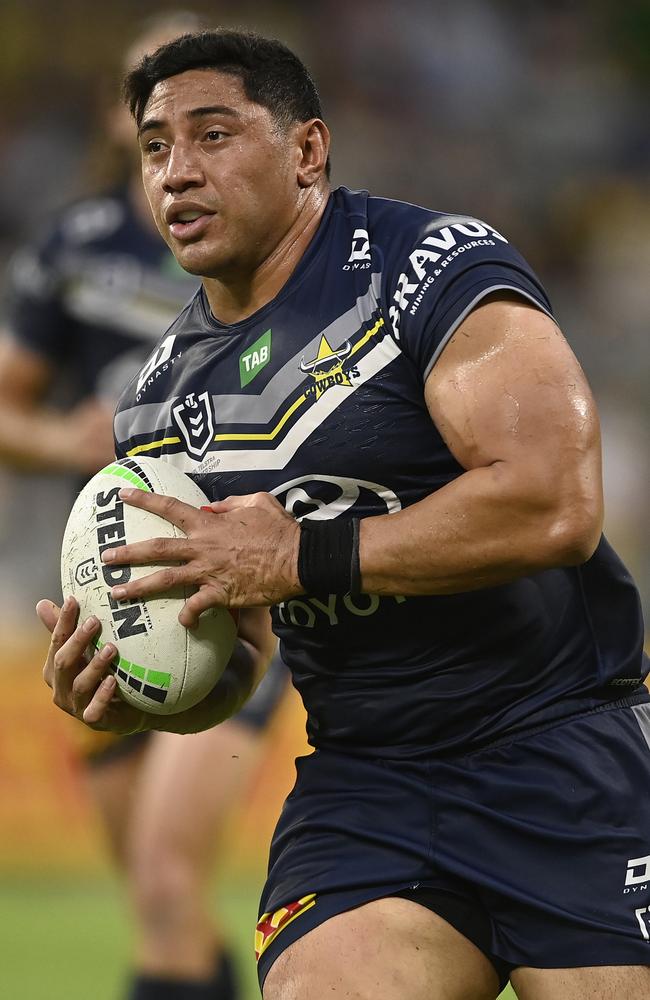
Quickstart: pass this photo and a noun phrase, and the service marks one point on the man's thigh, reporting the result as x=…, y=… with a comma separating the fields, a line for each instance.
x=389, y=949
x=607, y=982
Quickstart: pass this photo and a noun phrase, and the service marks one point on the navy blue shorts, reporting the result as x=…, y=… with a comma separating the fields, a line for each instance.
x=536, y=848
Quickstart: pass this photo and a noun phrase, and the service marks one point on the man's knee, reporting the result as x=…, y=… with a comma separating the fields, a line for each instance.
x=164, y=885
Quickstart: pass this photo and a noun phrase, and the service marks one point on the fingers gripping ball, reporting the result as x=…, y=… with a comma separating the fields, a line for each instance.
x=162, y=666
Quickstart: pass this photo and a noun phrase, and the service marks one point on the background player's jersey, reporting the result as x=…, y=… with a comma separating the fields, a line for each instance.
x=96, y=294
x=318, y=399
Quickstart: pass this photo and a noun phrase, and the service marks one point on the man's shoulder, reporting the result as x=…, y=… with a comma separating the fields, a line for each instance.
x=415, y=224
x=384, y=216
x=189, y=325
x=393, y=226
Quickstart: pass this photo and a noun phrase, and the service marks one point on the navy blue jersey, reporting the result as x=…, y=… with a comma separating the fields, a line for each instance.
x=318, y=399
x=96, y=293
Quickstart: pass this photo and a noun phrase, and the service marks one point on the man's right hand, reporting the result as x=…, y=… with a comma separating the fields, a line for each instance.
x=82, y=687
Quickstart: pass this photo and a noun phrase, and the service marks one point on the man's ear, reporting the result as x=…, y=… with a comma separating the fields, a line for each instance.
x=313, y=139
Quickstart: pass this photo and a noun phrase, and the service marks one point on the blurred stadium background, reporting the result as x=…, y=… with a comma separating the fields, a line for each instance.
x=532, y=116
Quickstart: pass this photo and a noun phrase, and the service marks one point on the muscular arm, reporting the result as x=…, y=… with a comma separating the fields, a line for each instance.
x=36, y=437
x=513, y=406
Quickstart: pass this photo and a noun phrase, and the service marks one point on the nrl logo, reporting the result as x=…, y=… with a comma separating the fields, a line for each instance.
x=195, y=421
x=327, y=367
x=86, y=572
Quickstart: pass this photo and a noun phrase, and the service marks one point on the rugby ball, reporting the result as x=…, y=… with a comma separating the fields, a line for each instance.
x=161, y=666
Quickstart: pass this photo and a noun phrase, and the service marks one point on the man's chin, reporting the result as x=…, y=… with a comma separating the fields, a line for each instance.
x=192, y=268
x=195, y=260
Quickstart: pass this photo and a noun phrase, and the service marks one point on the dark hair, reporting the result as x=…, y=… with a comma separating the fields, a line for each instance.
x=271, y=74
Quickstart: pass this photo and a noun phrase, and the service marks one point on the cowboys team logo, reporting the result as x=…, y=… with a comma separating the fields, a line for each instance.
x=195, y=421
x=327, y=368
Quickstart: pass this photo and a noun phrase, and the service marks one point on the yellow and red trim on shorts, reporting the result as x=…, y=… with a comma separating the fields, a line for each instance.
x=270, y=924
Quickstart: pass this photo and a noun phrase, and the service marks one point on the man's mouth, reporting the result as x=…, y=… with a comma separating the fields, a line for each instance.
x=189, y=224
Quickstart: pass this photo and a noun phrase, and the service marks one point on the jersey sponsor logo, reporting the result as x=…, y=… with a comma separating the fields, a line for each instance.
x=637, y=876
x=327, y=368
x=322, y=498
x=129, y=617
x=643, y=917
x=158, y=360
x=430, y=258
x=359, y=258
x=308, y=612
x=285, y=428
x=195, y=421
x=270, y=924
x=254, y=359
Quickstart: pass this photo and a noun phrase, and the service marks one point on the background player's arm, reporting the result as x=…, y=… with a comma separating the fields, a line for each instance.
x=36, y=437
x=513, y=405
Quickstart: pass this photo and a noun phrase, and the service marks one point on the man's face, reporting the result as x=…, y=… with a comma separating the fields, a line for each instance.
x=219, y=172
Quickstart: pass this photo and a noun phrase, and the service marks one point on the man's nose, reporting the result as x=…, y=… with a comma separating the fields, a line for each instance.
x=183, y=169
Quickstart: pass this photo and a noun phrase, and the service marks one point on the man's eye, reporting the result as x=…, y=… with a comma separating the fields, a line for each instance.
x=154, y=146
x=214, y=135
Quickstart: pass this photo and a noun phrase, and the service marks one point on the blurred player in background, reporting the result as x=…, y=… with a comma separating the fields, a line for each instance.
x=89, y=302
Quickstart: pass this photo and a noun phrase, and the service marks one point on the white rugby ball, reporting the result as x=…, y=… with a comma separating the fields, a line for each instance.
x=161, y=666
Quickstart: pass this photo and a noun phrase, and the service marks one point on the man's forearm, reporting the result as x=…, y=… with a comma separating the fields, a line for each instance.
x=485, y=528
x=30, y=441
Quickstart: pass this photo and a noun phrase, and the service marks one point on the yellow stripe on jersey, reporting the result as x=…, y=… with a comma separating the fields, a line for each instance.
x=152, y=444
x=364, y=340
x=269, y=435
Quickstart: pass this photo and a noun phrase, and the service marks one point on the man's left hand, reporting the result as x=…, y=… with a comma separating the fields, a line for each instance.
x=241, y=552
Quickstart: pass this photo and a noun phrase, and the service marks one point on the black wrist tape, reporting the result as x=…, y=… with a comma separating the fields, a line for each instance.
x=328, y=556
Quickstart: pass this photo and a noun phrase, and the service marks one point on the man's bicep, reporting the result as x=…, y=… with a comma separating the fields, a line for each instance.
x=508, y=388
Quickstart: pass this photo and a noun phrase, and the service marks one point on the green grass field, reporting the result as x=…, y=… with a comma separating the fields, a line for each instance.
x=69, y=941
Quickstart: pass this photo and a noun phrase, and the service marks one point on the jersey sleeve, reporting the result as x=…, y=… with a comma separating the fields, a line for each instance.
x=120, y=446
x=449, y=270
x=35, y=314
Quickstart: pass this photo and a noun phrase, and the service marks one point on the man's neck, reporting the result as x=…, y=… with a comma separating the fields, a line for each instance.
x=232, y=301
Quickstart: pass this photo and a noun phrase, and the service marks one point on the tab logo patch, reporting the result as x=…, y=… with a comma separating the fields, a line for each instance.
x=254, y=358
